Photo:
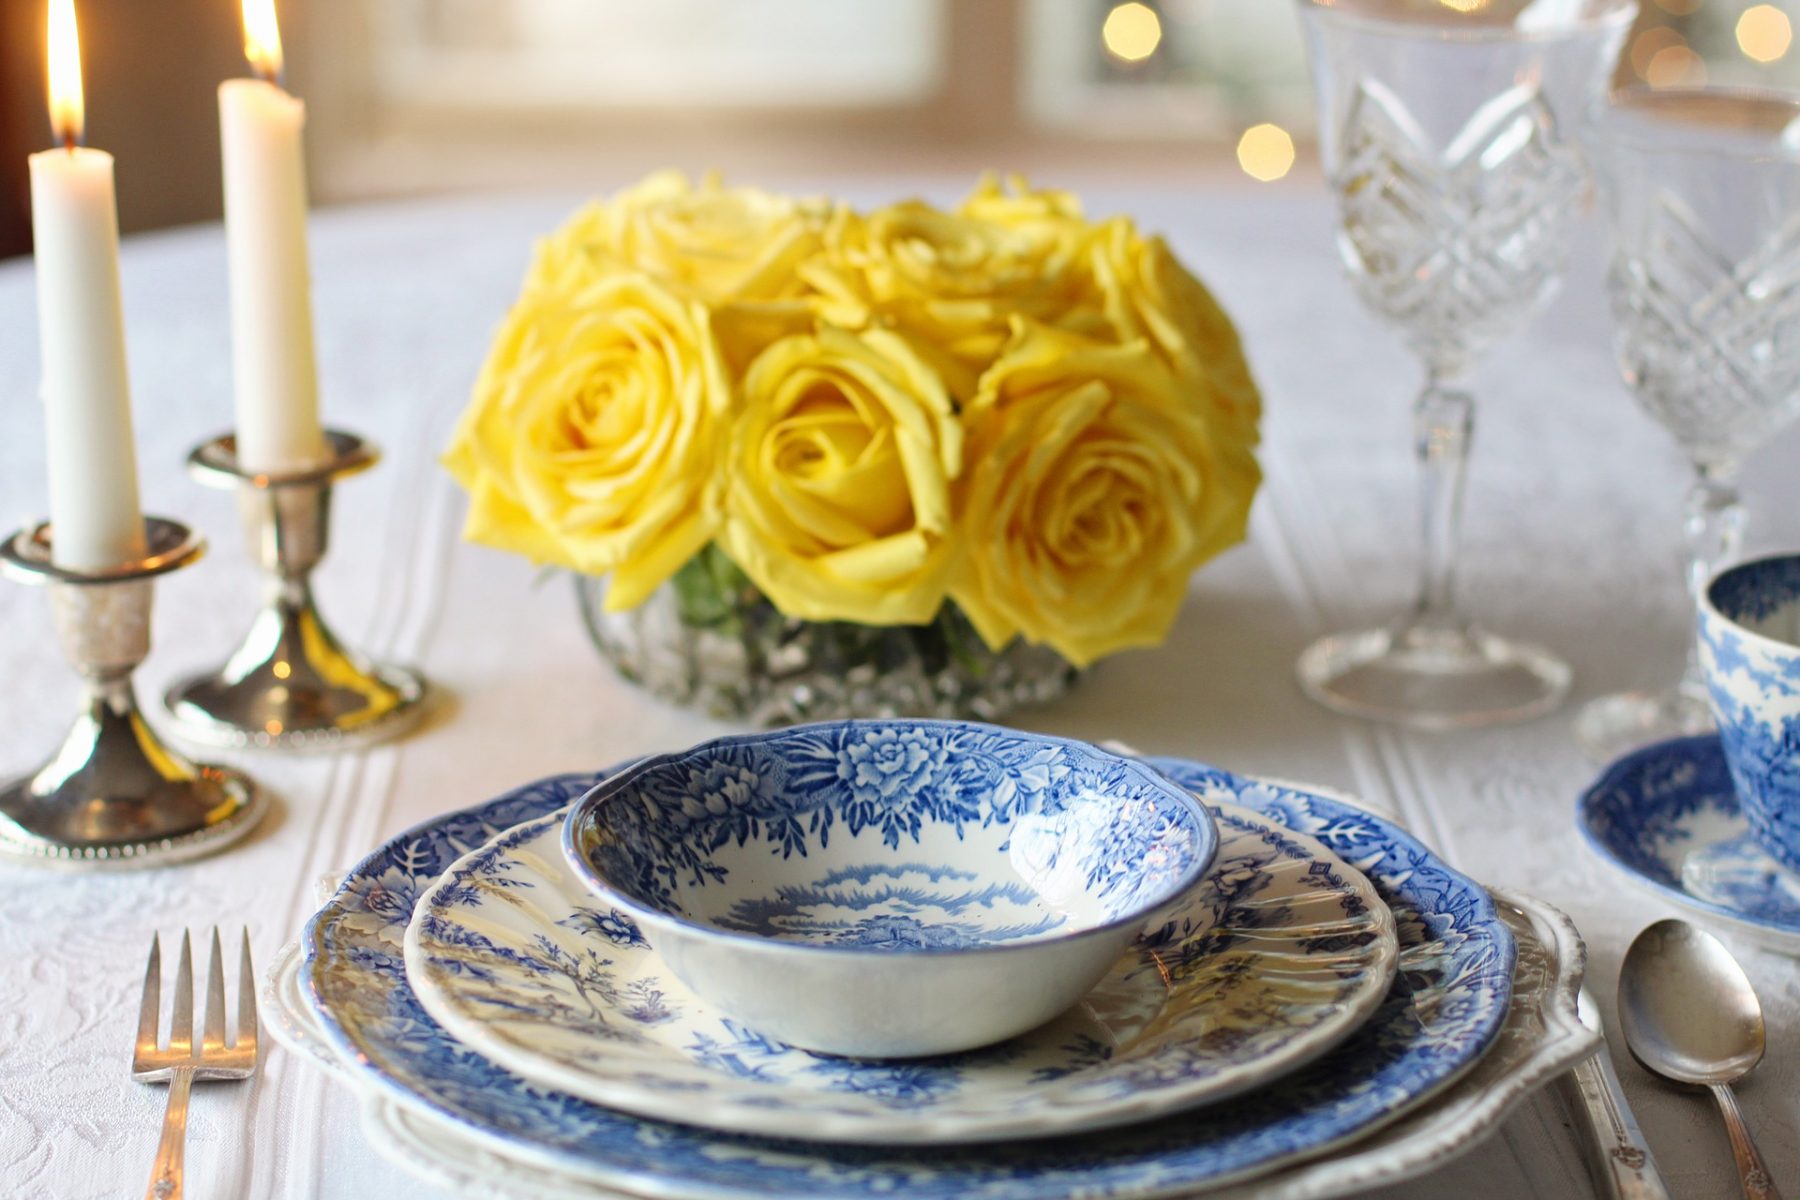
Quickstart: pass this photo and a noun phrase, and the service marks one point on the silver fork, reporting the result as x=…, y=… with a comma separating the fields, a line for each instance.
x=180, y=1062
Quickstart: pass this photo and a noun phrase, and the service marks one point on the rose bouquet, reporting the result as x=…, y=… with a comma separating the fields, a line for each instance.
x=966, y=449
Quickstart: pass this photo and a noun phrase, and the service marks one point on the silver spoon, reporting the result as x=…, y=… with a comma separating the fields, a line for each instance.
x=1689, y=1014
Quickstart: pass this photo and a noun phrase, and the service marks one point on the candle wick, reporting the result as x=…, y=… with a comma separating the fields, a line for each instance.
x=69, y=140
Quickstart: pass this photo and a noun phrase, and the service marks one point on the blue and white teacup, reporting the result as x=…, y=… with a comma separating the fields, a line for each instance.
x=1750, y=652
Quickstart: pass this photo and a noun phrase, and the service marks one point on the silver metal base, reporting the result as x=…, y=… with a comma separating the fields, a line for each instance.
x=114, y=796
x=292, y=685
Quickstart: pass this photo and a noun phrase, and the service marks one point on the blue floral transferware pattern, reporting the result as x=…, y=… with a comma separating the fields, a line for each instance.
x=1278, y=955
x=1668, y=814
x=1003, y=836
x=1449, y=999
x=1750, y=652
x=892, y=888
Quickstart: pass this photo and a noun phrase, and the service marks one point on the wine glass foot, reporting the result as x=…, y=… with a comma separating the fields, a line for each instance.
x=1433, y=679
x=1615, y=725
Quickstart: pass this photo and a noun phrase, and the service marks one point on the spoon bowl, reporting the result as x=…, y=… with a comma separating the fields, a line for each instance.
x=1689, y=1014
x=1687, y=1008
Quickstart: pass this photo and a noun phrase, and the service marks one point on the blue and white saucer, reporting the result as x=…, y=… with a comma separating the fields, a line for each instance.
x=1273, y=959
x=1669, y=817
x=1448, y=1003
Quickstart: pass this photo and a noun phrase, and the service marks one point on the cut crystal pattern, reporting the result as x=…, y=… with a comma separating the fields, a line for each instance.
x=749, y=662
x=1710, y=346
x=1460, y=247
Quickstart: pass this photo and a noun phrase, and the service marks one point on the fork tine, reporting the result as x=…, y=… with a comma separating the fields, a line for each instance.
x=212, y=1036
x=181, y=1020
x=246, y=1014
x=149, y=1008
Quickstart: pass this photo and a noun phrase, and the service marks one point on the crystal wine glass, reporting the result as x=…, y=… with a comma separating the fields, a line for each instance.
x=1701, y=189
x=1450, y=135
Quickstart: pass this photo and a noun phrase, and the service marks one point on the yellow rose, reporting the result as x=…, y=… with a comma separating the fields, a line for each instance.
x=841, y=460
x=724, y=244
x=1045, y=212
x=1150, y=295
x=952, y=282
x=577, y=255
x=592, y=439
x=1097, y=490
x=735, y=249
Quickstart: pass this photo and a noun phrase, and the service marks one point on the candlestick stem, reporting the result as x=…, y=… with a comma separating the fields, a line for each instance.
x=114, y=795
x=292, y=684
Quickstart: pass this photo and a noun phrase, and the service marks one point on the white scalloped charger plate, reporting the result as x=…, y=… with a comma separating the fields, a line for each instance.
x=1273, y=959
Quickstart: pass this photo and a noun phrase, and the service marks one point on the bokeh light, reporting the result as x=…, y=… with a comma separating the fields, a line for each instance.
x=1675, y=66
x=1266, y=152
x=1648, y=44
x=1132, y=32
x=1764, y=33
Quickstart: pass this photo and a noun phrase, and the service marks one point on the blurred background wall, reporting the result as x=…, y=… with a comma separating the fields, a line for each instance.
x=419, y=96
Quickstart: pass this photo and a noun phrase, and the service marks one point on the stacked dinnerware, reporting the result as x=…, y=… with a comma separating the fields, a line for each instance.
x=574, y=989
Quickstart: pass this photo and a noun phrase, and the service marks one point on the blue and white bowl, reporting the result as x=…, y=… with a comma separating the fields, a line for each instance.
x=890, y=888
x=1750, y=652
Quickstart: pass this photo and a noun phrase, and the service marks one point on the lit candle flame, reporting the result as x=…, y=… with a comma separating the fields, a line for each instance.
x=66, y=105
x=262, y=38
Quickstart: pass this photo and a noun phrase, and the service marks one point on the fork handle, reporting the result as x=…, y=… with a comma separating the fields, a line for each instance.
x=165, y=1176
x=1618, y=1156
x=1758, y=1184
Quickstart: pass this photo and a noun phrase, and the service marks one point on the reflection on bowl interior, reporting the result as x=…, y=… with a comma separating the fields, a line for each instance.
x=877, y=840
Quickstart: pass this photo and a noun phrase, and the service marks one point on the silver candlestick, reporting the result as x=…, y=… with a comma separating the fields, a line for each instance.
x=292, y=684
x=114, y=795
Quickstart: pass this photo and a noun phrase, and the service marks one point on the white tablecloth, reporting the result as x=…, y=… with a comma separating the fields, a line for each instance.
x=1572, y=540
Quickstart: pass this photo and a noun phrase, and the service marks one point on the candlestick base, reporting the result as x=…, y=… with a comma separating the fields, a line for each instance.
x=292, y=684
x=114, y=795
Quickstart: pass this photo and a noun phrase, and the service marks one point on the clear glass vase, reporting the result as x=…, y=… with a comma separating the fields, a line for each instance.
x=708, y=639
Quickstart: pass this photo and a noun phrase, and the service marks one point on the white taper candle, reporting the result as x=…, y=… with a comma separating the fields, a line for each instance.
x=95, y=519
x=271, y=285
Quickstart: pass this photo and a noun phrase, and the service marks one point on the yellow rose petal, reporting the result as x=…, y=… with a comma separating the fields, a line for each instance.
x=839, y=478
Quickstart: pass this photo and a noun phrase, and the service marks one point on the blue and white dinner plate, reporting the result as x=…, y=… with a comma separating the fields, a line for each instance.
x=1668, y=816
x=1274, y=958
x=1448, y=1001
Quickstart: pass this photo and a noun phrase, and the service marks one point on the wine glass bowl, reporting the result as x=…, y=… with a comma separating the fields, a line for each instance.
x=1452, y=141
x=1702, y=194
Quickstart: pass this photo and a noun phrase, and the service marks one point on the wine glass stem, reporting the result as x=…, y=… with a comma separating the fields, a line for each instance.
x=1714, y=525
x=1443, y=422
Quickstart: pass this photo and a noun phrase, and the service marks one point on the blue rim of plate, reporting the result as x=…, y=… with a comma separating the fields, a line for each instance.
x=1388, y=1066
x=500, y=987
x=1617, y=792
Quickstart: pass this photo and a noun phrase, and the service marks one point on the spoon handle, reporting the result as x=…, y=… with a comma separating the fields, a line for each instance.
x=1752, y=1174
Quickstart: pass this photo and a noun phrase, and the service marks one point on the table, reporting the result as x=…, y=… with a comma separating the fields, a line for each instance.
x=1572, y=540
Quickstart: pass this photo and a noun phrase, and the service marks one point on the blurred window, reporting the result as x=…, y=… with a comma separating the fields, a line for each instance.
x=1206, y=69
x=415, y=95
x=657, y=54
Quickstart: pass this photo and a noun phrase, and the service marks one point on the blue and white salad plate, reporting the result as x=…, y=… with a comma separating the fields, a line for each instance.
x=1448, y=1003
x=1277, y=956
x=1668, y=816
